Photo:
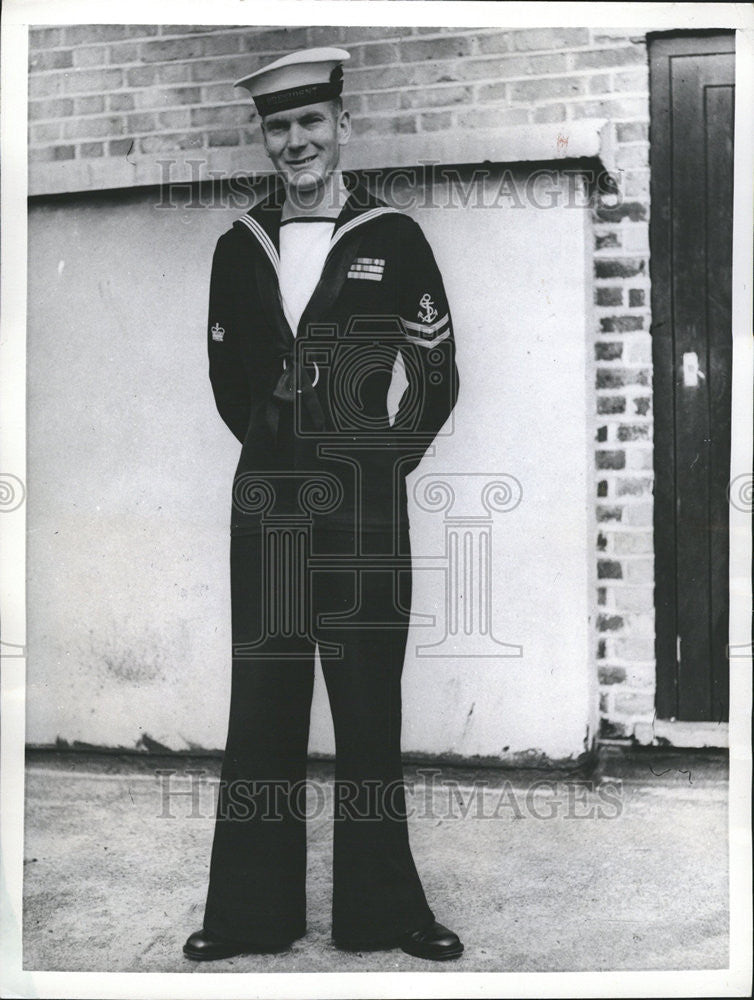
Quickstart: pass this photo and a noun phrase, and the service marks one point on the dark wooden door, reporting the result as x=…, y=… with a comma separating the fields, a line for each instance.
x=691, y=143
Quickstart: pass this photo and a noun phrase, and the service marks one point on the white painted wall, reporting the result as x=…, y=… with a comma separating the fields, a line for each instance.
x=130, y=471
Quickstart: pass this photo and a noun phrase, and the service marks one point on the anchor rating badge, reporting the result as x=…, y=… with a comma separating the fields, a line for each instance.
x=430, y=313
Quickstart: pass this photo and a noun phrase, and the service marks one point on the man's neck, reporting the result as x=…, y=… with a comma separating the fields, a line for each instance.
x=326, y=201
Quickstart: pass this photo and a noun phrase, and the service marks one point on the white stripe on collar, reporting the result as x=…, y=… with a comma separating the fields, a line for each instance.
x=269, y=247
x=266, y=243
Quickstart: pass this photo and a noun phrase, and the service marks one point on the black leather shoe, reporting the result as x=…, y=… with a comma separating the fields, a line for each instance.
x=202, y=947
x=434, y=942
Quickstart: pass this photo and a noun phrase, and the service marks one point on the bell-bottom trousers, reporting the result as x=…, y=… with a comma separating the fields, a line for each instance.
x=291, y=591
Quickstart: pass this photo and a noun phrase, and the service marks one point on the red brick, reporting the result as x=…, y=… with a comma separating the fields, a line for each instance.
x=46, y=132
x=627, y=107
x=629, y=486
x=598, y=58
x=40, y=62
x=627, y=703
x=435, y=121
x=223, y=93
x=378, y=79
x=609, y=569
x=124, y=52
x=224, y=138
x=611, y=404
x=609, y=623
x=147, y=76
x=611, y=675
x=221, y=45
x=93, y=128
x=550, y=113
x=549, y=38
x=637, y=80
x=173, y=49
x=56, y=108
x=373, y=34
x=175, y=118
x=631, y=131
x=216, y=70
x=83, y=34
x=274, y=40
x=609, y=513
x=600, y=83
x=547, y=87
x=192, y=29
x=89, y=56
x=609, y=296
x=100, y=80
x=610, y=459
x=91, y=149
x=436, y=97
x=41, y=154
x=47, y=84
x=616, y=378
x=621, y=324
x=604, y=240
x=625, y=267
x=493, y=117
x=634, y=432
x=612, y=351
x=325, y=35
x=160, y=97
x=221, y=115
x=381, y=54
x=493, y=91
x=45, y=38
x=418, y=49
x=170, y=142
x=120, y=147
x=93, y=104
x=389, y=126
x=120, y=102
x=386, y=100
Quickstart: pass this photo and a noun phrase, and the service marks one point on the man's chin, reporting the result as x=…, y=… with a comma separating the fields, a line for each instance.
x=304, y=181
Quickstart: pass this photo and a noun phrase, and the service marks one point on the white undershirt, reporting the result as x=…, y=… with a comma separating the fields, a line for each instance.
x=303, y=248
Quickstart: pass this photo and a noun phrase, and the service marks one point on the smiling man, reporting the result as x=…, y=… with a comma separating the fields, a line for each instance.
x=314, y=293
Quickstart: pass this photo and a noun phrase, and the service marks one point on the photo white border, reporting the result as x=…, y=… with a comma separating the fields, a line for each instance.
x=17, y=15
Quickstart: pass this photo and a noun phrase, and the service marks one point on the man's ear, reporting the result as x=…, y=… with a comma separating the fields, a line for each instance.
x=344, y=127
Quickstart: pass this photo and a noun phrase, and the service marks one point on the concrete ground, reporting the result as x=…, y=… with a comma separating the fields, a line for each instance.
x=536, y=872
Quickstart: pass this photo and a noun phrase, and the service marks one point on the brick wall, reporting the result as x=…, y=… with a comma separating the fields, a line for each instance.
x=105, y=91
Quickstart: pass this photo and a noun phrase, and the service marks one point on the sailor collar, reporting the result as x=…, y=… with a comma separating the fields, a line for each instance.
x=263, y=220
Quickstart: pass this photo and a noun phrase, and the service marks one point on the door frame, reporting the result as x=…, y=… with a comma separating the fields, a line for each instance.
x=659, y=46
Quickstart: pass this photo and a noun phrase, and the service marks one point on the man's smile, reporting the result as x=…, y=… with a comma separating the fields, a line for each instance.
x=301, y=161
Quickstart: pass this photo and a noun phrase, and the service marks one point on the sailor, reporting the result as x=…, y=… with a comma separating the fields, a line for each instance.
x=315, y=294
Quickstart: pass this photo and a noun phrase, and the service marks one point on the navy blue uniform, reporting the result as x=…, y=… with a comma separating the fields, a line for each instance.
x=320, y=557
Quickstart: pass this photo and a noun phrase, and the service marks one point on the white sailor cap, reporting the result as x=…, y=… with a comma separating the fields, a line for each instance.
x=304, y=77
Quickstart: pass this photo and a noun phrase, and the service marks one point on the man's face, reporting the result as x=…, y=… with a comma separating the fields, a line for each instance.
x=304, y=143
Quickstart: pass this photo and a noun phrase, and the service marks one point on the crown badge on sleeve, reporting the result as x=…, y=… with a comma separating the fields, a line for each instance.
x=217, y=332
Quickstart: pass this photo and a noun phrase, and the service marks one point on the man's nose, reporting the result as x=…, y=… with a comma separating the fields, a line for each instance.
x=296, y=137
